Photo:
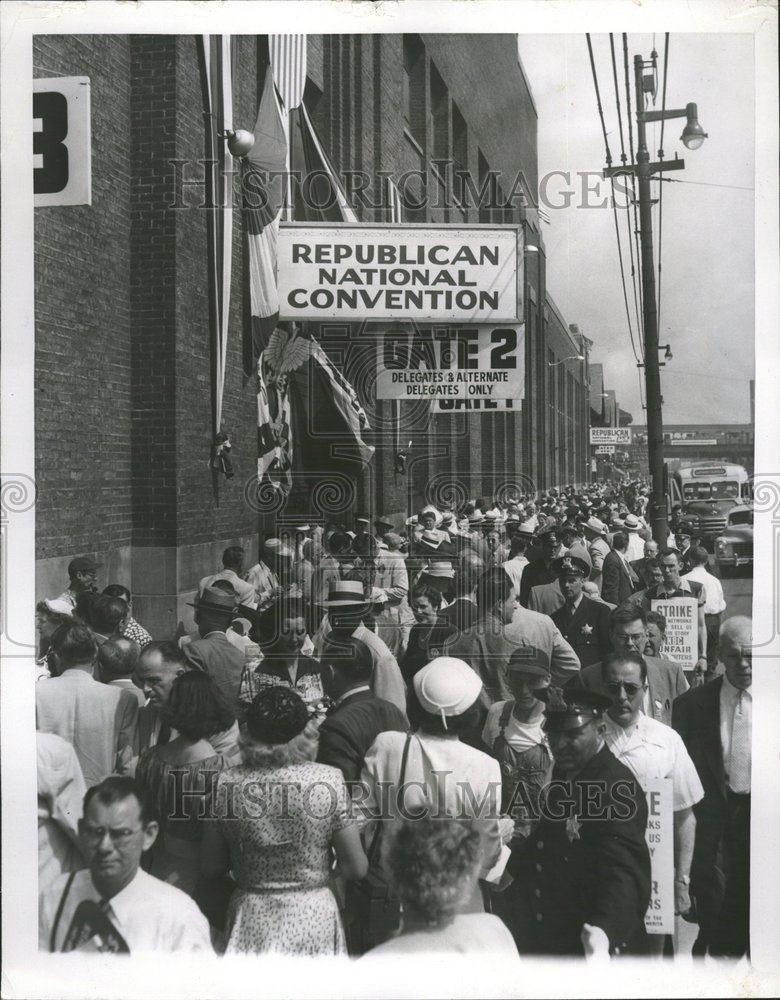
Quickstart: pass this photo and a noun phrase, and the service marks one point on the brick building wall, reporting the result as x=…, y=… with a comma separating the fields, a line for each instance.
x=123, y=420
x=123, y=379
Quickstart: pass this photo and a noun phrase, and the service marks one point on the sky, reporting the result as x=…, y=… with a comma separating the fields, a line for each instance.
x=707, y=276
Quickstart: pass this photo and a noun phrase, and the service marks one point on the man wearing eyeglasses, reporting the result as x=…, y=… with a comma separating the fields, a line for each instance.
x=652, y=750
x=113, y=905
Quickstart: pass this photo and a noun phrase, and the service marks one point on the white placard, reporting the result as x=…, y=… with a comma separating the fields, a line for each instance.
x=693, y=441
x=447, y=363
x=604, y=449
x=659, y=835
x=681, y=641
x=610, y=435
x=62, y=142
x=401, y=272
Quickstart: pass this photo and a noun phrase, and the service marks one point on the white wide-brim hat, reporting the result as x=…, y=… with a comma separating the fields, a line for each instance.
x=446, y=686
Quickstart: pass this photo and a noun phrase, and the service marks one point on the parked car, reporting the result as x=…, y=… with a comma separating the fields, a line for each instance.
x=734, y=548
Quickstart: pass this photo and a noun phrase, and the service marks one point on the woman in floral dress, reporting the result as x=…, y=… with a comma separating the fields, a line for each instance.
x=279, y=819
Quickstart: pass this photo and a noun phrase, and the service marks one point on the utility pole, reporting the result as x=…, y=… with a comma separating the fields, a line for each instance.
x=655, y=424
x=693, y=136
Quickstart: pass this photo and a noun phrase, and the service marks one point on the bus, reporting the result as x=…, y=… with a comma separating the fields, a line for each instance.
x=705, y=493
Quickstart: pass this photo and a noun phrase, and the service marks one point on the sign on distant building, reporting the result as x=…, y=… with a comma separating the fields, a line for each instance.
x=693, y=441
x=604, y=449
x=400, y=272
x=610, y=435
x=62, y=142
x=453, y=363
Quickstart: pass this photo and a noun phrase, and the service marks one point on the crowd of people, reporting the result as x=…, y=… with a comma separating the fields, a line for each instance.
x=386, y=740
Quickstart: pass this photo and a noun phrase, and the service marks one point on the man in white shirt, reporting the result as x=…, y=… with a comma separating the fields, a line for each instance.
x=715, y=722
x=714, y=602
x=61, y=791
x=517, y=560
x=266, y=575
x=653, y=750
x=98, y=719
x=114, y=906
x=233, y=565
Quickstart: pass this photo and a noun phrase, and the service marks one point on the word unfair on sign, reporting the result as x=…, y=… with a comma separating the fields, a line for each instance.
x=610, y=435
x=681, y=641
x=62, y=142
x=352, y=272
x=445, y=363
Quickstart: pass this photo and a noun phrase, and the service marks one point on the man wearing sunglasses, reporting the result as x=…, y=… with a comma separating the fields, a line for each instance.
x=652, y=750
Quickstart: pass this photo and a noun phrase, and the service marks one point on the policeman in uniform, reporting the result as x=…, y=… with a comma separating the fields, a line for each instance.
x=583, y=622
x=585, y=873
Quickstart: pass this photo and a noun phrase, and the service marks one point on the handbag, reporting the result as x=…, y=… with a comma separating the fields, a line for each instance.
x=372, y=907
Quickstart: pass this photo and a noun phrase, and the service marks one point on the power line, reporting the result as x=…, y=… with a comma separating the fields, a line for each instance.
x=633, y=176
x=712, y=184
x=628, y=211
x=598, y=101
x=661, y=190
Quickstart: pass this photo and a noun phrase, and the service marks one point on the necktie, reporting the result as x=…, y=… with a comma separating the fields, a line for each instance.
x=739, y=763
x=164, y=734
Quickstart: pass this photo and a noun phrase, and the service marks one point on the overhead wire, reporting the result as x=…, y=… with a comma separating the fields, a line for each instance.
x=628, y=213
x=633, y=179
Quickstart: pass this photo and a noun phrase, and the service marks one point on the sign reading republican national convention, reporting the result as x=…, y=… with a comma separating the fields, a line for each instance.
x=610, y=435
x=401, y=272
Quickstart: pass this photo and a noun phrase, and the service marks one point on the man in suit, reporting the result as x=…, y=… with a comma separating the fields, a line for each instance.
x=619, y=581
x=357, y=716
x=546, y=599
x=540, y=570
x=665, y=680
x=639, y=566
x=715, y=723
x=586, y=873
x=462, y=613
x=583, y=623
x=212, y=653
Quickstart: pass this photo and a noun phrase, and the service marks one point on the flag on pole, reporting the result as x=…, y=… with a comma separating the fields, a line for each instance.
x=288, y=62
x=216, y=54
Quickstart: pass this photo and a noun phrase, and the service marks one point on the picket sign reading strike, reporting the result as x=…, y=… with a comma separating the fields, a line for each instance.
x=681, y=642
x=449, y=363
x=659, y=836
x=459, y=274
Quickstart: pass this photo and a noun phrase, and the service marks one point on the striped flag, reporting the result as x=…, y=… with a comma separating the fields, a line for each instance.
x=288, y=62
x=216, y=54
x=262, y=184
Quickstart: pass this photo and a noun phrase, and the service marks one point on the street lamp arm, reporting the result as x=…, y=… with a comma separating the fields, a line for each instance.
x=658, y=116
x=574, y=357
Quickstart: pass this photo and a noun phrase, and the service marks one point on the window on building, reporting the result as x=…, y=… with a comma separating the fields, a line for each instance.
x=487, y=185
x=460, y=159
x=414, y=88
x=440, y=136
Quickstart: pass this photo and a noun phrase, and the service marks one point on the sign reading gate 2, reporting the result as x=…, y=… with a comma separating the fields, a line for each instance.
x=452, y=363
x=401, y=272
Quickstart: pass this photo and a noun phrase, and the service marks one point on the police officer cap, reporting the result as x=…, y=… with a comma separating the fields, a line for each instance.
x=570, y=708
x=571, y=564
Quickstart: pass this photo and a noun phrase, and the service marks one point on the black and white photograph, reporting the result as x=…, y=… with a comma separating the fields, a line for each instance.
x=388, y=403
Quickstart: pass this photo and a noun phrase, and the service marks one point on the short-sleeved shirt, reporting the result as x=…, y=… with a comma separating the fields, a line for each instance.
x=150, y=914
x=652, y=750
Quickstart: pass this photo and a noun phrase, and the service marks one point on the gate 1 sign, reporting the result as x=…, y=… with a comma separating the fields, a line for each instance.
x=681, y=642
x=659, y=835
x=443, y=274
x=447, y=363
x=62, y=142
x=610, y=435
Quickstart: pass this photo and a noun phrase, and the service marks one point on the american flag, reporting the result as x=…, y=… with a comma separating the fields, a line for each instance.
x=288, y=62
